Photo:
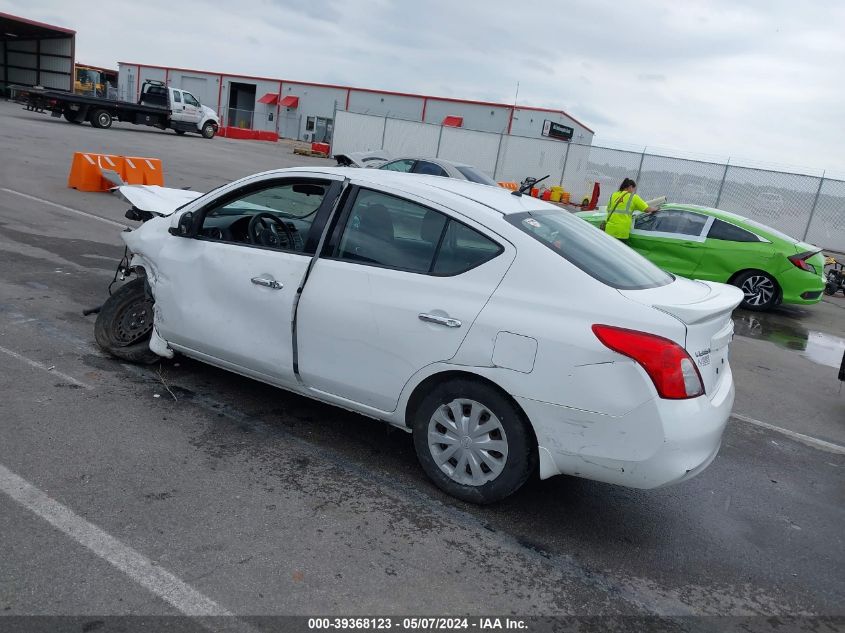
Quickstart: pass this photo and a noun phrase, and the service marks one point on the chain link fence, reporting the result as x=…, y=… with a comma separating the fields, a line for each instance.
x=811, y=208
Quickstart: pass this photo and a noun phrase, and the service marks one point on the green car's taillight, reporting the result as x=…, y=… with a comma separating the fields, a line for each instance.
x=800, y=260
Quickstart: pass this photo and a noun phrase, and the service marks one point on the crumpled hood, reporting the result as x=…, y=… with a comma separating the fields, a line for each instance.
x=155, y=199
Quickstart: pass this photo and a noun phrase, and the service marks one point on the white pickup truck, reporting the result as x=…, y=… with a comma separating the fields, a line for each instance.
x=158, y=105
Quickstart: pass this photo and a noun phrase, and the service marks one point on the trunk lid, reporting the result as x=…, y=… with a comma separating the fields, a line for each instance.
x=705, y=309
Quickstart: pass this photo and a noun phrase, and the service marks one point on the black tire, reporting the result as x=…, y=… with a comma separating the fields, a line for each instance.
x=830, y=289
x=101, y=119
x=761, y=291
x=179, y=132
x=519, y=462
x=209, y=130
x=70, y=117
x=125, y=323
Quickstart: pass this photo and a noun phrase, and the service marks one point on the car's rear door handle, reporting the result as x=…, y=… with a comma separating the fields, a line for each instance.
x=267, y=283
x=440, y=320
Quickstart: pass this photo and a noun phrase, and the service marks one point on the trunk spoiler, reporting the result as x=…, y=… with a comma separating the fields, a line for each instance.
x=721, y=299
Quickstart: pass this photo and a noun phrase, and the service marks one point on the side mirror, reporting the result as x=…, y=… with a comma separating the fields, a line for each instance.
x=184, y=227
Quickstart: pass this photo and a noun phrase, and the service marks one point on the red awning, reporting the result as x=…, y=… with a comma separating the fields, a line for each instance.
x=271, y=98
x=290, y=102
x=453, y=121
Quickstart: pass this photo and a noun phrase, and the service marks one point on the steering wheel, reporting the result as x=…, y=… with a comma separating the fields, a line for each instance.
x=265, y=233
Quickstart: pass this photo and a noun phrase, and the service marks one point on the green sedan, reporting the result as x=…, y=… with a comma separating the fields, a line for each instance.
x=703, y=243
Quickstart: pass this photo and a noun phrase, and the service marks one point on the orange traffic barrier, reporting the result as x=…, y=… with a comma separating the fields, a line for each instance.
x=86, y=171
x=85, y=174
x=133, y=171
x=144, y=171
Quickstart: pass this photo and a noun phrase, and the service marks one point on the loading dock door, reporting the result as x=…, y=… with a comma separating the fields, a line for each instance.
x=241, y=105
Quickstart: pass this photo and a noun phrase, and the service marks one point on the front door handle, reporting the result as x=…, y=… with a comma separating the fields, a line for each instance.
x=440, y=320
x=267, y=283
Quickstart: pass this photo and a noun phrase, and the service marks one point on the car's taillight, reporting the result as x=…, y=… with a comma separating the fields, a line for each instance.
x=669, y=366
x=800, y=260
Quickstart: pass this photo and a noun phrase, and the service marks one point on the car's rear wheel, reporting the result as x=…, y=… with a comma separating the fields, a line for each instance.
x=125, y=323
x=473, y=442
x=760, y=290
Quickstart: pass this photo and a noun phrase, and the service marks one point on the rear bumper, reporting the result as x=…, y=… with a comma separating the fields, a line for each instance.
x=659, y=443
x=799, y=287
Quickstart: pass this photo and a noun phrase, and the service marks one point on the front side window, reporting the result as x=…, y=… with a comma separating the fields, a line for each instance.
x=425, y=167
x=190, y=99
x=672, y=221
x=398, y=165
x=722, y=230
x=392, y=232
x=278, y=216
x=602, y=257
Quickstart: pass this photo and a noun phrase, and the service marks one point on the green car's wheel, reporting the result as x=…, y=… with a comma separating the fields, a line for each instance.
x=760, y=290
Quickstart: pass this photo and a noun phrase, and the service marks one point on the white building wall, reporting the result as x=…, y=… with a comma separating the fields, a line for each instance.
x=484, y=118
x=131, y=76
x=204, y=86
x=530, y=123
x=323, y=101
x=317, y=101
x=380, y=104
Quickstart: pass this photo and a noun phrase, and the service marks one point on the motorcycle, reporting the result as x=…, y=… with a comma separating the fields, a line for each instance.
x=835, y=276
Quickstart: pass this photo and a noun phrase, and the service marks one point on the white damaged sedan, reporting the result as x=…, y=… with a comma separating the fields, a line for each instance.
x=506, y=334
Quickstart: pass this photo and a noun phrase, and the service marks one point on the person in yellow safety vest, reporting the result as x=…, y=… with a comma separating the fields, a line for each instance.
x=622, y=204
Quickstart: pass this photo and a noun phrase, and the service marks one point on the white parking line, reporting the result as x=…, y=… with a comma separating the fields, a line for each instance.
x=134, y=564
x=43, y=367
x=64, y=208
x=800, y=437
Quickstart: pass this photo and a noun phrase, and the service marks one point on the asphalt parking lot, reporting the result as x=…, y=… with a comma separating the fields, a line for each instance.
x=180, y=488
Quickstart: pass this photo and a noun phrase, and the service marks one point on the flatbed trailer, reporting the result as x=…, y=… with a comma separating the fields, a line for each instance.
x=158, y=106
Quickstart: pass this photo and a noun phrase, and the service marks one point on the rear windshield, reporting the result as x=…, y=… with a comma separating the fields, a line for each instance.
x=473, y=175
x=596, y=253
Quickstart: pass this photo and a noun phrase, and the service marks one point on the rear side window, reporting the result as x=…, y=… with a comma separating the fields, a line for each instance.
x=177, y=98
x=602, y=257
x=388, y=231
x=473, y=175
x=398, y=165
x=463, y=248
x=726, y=231
x=425, y=167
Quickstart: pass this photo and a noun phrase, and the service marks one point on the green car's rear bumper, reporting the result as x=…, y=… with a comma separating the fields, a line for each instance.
x=800, y=287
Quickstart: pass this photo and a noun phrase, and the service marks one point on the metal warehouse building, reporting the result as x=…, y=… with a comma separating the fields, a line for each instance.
x=305, y=110
x=35, y=54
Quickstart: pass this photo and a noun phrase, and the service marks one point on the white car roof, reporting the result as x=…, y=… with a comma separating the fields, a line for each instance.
x=437, y=188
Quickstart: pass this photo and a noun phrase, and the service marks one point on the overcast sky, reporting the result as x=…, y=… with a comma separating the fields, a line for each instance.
x=757, y=79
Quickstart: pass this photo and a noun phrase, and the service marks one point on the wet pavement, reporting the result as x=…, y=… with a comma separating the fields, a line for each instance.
x=269, y=503
x=785, y=328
